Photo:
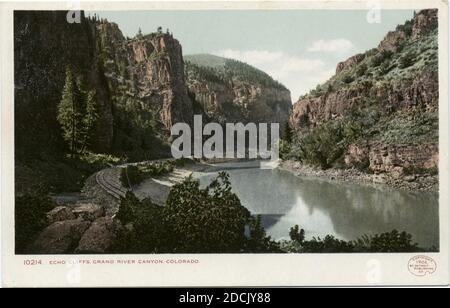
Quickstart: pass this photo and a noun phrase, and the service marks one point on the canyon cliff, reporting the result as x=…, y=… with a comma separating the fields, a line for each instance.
x=232, y=91
x=140, y=85
x=385, y=102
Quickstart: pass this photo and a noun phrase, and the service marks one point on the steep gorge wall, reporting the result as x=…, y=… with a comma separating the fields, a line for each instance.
x=242, y=102
x=399, y=79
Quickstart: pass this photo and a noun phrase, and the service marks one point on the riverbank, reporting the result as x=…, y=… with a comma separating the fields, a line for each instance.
x=415, y=182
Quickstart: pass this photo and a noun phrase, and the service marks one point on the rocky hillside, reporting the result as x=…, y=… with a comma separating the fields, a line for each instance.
x=232, y=91
x=380, y=109
x=140, y=85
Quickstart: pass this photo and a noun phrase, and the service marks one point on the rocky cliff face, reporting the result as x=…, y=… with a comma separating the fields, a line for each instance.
x=141, y=89
x=146, y=72
x=399, y=83
x=230, y=91
x=158, y=67
x=44, y=45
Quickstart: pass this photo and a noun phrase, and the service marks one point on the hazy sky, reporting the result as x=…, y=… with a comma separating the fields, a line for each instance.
x=298, y=48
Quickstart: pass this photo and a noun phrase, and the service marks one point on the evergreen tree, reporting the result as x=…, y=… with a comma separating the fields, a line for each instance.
x=288, y=133
x=77, y=113
x=69, y=111
x=90, y=119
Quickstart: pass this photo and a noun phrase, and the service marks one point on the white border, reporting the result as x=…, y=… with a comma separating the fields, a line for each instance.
x=217, y=269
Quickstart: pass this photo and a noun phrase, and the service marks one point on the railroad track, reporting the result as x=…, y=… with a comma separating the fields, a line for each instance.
x=108, y=181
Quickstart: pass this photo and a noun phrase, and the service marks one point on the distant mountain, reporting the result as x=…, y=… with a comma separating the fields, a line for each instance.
x=233, y=91
x=206, y=60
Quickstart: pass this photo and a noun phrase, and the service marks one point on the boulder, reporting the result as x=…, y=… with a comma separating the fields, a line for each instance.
x=88, y=211
x=350, y=63
x=99, y=237
x=60, y=213
x=60, y=237
x=380, y=178
x=410, y=178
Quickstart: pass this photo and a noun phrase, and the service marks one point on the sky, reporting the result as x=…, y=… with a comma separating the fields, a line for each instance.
x=299, y=48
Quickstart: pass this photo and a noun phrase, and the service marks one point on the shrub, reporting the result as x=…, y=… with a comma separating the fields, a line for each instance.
x=206, y=220
x=328, y=245
x=258, y=241
x=361, y=70
x=127, y=209
x=376, y=60
x=323, y=145
x=30, y=218
x=297, y=235
x=406, y=60
x=143, y=227
x=385, y=67
x=379, y=58
x=348, y=78
x=393, y=241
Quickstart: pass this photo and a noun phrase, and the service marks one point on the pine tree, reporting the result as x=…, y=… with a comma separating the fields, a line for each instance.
x=288, y=133
x=139, y=34
x=77, y=113
x=90, y=119
x=68, y=110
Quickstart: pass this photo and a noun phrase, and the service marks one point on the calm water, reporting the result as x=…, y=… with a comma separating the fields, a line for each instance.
x=343, y=210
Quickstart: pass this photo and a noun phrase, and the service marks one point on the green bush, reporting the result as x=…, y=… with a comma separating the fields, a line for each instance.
x=297, y=235
x=348, y=78
x=30, y=218
x=379, y=58
x=407, y=60
x=143, y=228
x=389, y=242
x=361, y=70
x=206, y=220
x=322, y=145
x=258, y=241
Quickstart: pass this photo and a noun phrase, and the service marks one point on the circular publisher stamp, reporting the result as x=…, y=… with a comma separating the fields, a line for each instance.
x=421, y=266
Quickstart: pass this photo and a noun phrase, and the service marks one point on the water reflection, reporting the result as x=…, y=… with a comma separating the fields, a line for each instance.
x=344, y=210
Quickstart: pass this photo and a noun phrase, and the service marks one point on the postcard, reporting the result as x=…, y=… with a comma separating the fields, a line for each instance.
x=238, y=143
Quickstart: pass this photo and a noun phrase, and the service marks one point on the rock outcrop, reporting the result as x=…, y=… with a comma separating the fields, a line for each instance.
x=61, y=237
x=230, y=91
x=394, y=87
x=424, y=22
x=398, y=159
x=60, y=213
x=100, y=236
x=350, y=62
x=83, y=228
x=157, y=64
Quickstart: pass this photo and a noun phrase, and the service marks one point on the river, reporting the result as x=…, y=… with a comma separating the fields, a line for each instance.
x=323, y=207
